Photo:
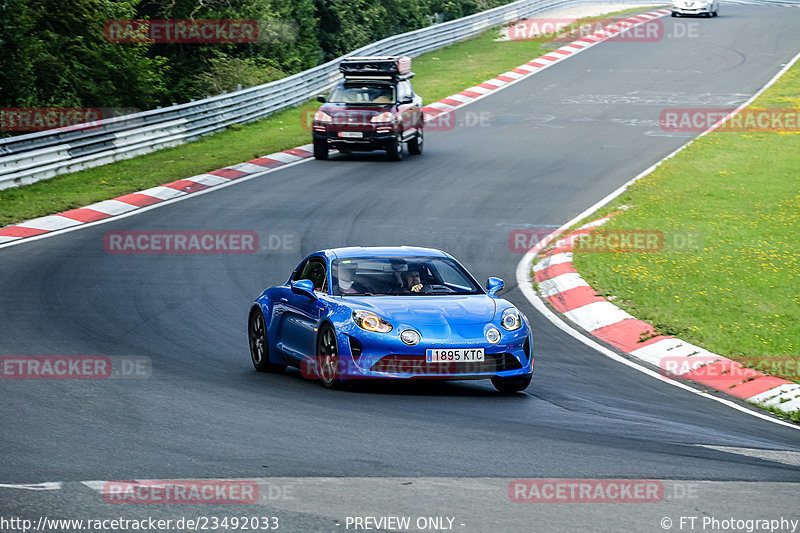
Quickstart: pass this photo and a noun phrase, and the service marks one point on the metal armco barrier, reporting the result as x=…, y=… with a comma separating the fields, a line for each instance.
x=36, y=156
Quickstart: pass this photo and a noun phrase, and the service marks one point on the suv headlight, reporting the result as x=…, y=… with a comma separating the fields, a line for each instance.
x=323, y=117
x=371, y=322
x=386, y=116
x=511, y=319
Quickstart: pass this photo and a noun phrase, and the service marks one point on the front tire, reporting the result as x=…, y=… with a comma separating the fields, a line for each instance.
x=511, y=385
x=320, y=149
x=328, y=357
x=395, y=150
x=415, y=144
x=259, y=347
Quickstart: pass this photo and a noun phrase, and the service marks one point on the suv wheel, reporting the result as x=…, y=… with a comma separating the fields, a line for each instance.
x=415, y=144
x=320, y=149
x=395, y=150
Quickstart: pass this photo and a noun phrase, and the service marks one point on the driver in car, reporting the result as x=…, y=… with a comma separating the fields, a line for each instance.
x=414, y=281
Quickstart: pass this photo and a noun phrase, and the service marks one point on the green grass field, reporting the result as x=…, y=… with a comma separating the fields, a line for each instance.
x=737, y=292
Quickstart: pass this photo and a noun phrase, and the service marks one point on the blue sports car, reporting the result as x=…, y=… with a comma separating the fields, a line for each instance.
x=390, y=313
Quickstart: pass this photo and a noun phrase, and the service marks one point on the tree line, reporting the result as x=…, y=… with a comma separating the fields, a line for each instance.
x=57, y=53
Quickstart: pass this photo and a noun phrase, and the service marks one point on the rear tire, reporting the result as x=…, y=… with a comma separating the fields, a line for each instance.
x=320, y=149
x=511, y=385
x=395, y=151
x=259, y=347
x=415, y=144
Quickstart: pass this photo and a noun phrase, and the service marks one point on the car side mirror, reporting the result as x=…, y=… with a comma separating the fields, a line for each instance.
x=304, y=287
x=321, y=98
x=493, y=285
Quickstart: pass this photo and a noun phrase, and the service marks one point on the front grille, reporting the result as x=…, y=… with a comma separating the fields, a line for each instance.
x=416, y=364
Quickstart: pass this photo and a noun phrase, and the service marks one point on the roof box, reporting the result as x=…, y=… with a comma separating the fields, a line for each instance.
x=376, y=67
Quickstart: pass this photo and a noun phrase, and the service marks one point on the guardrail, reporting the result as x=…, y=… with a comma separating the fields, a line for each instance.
x=36, y=156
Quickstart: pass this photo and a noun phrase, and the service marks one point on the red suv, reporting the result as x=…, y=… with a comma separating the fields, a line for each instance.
x=373, y=108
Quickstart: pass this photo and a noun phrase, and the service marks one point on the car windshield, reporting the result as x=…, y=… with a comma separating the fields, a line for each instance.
x=362, y=93
x=404, y=276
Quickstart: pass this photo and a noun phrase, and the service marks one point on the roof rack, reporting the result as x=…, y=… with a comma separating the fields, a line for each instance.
x=376, y=68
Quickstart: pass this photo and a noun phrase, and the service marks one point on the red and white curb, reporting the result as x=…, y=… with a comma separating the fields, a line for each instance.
x=779, y=394
x=130, y=203
x=566, y=291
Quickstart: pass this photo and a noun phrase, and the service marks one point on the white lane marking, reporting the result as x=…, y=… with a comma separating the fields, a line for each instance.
x=440, y=106
x=461, y=98
x=246, y=167
x=162, y=193
x=562, y=283
x=479, y=90
x=525, y=283
x=284, y=157
x=111, y=207
x=551, y=260
x=48, y=223
x=5, y=238
x=781, y=396
x=597, y=315
x=777, y=456
x=677, y=350
x=211, y=180
x=47, y=485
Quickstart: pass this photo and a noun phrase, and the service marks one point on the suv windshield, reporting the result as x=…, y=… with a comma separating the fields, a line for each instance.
x=404, y=276
x=362, y=93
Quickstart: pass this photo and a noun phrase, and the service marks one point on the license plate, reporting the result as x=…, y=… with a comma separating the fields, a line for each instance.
x=455, y=355
x=351, y=134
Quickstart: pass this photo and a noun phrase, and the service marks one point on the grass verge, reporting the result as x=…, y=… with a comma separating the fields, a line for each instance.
x=439, y=74
x=728, y=278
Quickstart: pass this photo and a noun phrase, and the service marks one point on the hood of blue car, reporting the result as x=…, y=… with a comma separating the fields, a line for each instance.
x=420, y=311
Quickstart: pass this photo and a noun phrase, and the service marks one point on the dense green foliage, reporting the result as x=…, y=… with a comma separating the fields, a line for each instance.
x=55, y=52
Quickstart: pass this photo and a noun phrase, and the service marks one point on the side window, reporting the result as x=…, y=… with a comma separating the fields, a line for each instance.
x=313, y=269
x=403, y=91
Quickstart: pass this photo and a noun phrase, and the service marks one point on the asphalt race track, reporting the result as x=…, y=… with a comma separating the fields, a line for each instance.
x=544, y=150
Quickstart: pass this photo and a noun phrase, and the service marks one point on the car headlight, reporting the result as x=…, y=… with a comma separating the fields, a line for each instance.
x=493, y=335
x=323, y=117
x=371, y=322
x=386, y=116
x=511, y=319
